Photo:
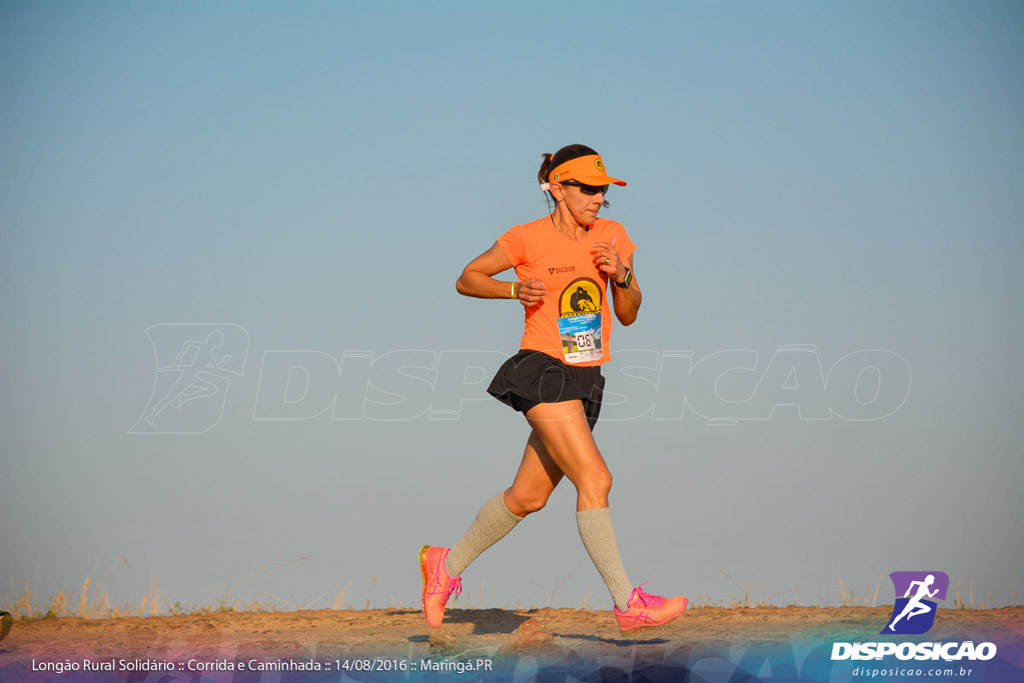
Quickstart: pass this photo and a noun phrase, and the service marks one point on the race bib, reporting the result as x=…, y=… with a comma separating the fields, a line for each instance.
x=579, y=324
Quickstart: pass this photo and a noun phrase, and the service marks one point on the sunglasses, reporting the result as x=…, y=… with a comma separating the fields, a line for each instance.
x=588, y=189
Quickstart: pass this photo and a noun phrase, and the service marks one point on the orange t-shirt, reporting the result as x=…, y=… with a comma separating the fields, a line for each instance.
x=573, y=322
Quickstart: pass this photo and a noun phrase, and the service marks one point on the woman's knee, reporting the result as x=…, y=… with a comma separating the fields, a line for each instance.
x=522, y=503
x=598, y=482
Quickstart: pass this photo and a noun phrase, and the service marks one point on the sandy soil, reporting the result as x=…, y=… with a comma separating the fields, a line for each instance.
x=503, y=637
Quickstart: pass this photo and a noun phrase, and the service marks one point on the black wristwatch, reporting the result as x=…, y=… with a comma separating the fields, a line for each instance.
x=627, y=281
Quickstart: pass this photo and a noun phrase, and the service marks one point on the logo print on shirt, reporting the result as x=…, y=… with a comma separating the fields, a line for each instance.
x=561, y=269
x=581, y=296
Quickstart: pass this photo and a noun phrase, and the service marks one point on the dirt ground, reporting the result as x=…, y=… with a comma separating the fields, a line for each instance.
x=202, y=646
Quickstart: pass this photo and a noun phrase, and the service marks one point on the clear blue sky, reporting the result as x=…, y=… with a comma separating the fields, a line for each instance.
x=311, y=178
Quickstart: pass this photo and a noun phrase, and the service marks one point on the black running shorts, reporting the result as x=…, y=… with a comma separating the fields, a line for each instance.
x=532, y=377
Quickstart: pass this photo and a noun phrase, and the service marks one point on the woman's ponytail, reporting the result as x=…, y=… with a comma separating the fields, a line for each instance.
x=545, y=168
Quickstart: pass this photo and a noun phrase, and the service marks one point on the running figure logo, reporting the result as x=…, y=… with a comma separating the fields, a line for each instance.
x=913, y=613
x=194, y=364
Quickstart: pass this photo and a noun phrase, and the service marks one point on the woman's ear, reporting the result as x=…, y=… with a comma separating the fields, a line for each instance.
x=557, y=192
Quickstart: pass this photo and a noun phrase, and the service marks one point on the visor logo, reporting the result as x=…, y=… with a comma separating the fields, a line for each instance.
x=599, y=164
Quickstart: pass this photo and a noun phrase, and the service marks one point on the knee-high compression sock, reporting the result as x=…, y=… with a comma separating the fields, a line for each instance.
x=599, y=540
x=491, y=524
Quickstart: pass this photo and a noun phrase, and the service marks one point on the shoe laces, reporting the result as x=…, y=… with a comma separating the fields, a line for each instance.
x=455, y=585
x=439, y=585
x=645, y=598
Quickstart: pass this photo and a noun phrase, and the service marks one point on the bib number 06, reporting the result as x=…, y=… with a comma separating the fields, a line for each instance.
x=585, y=341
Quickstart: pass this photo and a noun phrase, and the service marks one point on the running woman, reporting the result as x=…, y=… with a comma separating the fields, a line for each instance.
x=563, y=263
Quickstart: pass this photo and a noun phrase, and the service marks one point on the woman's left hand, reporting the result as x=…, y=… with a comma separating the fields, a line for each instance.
x=608, y=261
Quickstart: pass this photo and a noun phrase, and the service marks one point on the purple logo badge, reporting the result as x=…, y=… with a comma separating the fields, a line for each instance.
x=914, y=612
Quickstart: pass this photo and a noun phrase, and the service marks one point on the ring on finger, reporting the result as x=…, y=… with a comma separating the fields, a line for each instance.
x=607, y=260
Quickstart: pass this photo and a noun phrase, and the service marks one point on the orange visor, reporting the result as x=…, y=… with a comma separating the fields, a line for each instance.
x=588, y=170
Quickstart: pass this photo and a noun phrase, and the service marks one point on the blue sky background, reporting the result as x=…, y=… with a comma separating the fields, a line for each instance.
x=842, y=175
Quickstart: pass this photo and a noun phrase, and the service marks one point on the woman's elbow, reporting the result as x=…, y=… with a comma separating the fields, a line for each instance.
x=628, y=317
x=461, y=284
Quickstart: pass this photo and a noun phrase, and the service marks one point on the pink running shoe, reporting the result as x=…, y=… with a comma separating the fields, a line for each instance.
x=437, y=585
x=648, y=611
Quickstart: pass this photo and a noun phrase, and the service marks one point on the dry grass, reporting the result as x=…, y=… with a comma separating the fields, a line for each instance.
x=851, y=600
x=96, y=604
x=25, y=604
x=745, y=600
x=93, y=602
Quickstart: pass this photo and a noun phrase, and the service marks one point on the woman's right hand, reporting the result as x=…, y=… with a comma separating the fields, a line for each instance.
x=531, y=291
